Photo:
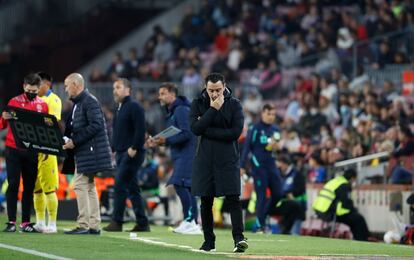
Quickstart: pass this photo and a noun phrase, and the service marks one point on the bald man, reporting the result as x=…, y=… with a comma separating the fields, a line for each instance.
x=88, y=141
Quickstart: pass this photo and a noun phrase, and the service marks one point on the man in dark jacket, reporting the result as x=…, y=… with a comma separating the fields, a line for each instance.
x=89, y=141
x=128, y=143
x=182, y=153
x=216, y=118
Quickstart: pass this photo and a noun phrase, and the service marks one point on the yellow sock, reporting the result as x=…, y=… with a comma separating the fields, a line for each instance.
x=40, y=207
x=52, y=206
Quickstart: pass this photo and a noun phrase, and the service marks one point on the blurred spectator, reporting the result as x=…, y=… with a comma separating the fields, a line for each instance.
x=253, y=102
x=357, y=83
x=384, y=56
x=131, y=64
x=235, y=56
x=220, y=15
x=144, y=72
x=163, y=50
x=117, y=67
x=97, y=76
x=270, y=80
x=222, y=42
x=328, y=109
x=403, y=174
x=191, y=77
x=317, y=172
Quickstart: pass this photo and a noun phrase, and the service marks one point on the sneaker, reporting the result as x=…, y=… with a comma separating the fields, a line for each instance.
x=241, y=246
x=10, y=227
x=139, y=228
x=78, y=231
x=191, y=229
x=40, y=228
x=113, y=227
x=94, y=231
x=182, y=226
x=50, y=229
x=208, y=247
x=28, y=228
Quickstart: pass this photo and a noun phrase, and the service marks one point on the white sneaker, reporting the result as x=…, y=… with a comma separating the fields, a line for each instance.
x=183, y=225
x=191, y=229
x=50, y=230
x=39, y=227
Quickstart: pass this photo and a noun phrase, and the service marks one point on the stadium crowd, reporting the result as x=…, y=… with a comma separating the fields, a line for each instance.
x=327, y=114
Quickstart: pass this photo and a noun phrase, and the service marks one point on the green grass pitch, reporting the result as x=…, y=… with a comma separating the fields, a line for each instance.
x=163, y=244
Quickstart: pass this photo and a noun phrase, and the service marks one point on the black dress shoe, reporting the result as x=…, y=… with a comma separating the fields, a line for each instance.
x=78, y=231
x=113, y=227
x=138, y=228
x=208, y=247
x=94, y=231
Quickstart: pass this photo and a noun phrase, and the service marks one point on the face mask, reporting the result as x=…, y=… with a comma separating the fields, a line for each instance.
x=31, y=96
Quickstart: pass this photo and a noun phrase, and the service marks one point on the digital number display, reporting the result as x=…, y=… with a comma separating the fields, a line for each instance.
x=36, y=131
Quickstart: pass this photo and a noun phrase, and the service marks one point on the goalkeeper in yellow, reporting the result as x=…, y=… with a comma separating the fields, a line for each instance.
x=48, y=174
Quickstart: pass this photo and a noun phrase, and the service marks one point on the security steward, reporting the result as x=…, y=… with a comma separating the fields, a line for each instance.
x=334, y=201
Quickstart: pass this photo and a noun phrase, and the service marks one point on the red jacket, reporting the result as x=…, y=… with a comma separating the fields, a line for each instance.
x=23, y=102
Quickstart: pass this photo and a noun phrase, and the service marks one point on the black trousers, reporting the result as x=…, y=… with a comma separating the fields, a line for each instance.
x=357, y=224
x=290, y=210
x=126, y=186
x=20, y=163
x=233, y=206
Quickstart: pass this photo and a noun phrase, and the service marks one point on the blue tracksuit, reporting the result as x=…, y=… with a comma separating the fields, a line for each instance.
x=183, y=144
x=182, y=153
x=264, y=170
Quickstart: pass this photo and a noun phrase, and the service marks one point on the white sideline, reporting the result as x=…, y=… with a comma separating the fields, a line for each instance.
x=33, y=252
x=160, y=243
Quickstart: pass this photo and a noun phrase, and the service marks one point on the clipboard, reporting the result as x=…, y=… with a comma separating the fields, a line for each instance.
x=168, y=132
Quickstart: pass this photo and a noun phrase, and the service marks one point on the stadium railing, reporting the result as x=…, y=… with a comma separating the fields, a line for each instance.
x=365, y=171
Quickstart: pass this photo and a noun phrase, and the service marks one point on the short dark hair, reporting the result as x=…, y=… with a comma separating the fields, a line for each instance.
x=125, y=82
x=215, y=77
x=32, y=79
x=268, y=106
x=45, y=76
x=350, y=173
x=171, y=87
x=284, y=158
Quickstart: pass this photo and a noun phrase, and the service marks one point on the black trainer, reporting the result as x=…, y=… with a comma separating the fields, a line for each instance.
x=10, y=227
x=28, y=228
x=208, y=247
x=78, y=231
x=241, y=246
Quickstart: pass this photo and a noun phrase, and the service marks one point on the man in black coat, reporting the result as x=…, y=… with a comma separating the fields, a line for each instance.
x=128, y=142
x=88, y=139
x=216, y=118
